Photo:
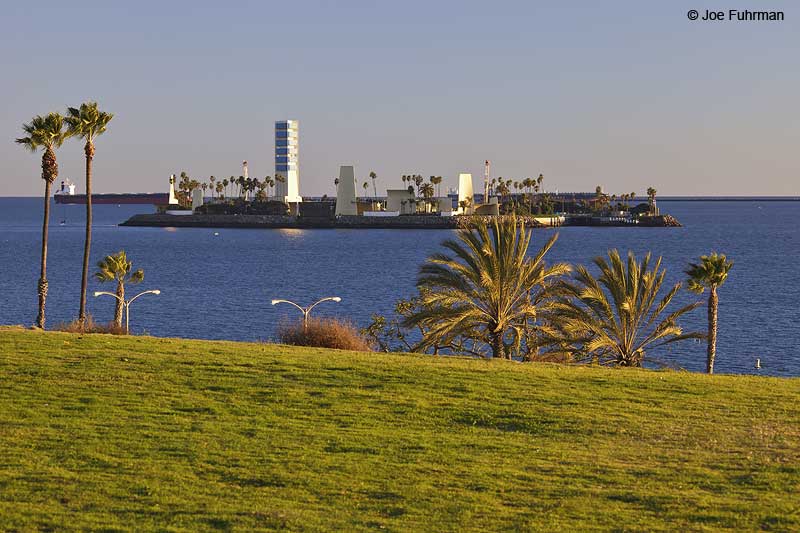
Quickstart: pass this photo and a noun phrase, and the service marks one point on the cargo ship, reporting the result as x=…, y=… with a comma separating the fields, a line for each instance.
x=66, y=195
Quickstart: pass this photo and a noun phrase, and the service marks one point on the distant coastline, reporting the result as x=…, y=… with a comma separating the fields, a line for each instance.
x=660, y=198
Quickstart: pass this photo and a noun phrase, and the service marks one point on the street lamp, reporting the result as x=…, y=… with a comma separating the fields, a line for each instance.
x=307, y=310
x=127, y=303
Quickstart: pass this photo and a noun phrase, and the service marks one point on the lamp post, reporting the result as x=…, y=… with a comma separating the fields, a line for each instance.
x=127, y=303
x=307, y=310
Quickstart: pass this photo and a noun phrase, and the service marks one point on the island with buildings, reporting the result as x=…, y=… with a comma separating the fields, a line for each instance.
x=276, y=201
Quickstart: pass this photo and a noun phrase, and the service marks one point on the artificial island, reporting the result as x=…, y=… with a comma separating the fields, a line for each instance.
x=276, y=201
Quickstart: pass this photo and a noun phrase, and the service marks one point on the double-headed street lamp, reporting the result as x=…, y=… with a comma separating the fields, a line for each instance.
x=127, y=303
x=307, y=310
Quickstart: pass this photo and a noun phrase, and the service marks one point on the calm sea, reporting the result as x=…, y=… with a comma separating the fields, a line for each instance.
x=218, y=283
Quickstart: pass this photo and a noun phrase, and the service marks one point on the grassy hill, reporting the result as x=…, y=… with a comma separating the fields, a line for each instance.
x=101, y=432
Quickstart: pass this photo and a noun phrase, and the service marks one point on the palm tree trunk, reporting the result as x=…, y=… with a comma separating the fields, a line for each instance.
x=43, y=275
x=89, y=151
x=120, y=305
x=713, y=303
x=498, y=349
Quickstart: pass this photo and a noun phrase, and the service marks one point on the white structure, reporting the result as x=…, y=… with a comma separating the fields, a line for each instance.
x=400, y=200
x=444, y=205
x=172, y=198
x=197, y=198
x=245, y=176
x=465, y=193
x=287, y=161
x=67, y=188
x=346, y=192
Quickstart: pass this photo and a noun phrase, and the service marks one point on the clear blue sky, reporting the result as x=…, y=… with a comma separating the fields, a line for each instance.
x=622, y=94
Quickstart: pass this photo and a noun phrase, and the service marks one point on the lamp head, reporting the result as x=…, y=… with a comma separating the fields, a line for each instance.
x=96, y=294
x=274, y=302
x=157, y=291
x=336, y=299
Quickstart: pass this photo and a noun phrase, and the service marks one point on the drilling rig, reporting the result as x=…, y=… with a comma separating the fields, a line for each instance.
x=486, y=181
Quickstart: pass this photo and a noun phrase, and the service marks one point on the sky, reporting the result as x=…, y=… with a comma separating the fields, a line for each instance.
x=625, y=95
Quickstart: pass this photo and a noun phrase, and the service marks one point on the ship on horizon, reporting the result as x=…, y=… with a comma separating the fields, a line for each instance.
x=67, y=195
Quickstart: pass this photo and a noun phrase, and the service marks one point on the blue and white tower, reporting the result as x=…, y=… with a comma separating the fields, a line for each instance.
x=287, y=161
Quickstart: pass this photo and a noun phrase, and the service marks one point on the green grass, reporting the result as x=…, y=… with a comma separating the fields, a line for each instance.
x=119, y=433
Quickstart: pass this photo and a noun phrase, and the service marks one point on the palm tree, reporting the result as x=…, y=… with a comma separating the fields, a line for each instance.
x=615, y=318
x=437, y=180
x=373, y=177
x=87, y=122
x=711, y=272
x=427, y=193
x=48, y=134
x=486, y=292
x=117, y=268
x=365, y=186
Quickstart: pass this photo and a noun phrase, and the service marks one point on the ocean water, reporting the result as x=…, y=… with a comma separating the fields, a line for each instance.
x=218, y=283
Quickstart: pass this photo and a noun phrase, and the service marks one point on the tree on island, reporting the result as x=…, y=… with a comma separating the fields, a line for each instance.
x=117, y=268
x=418, y=180
x=87, y=122
x=711, y=272
x=437, y=181
x=373, y=177
x=48, y=134
x=427, y=193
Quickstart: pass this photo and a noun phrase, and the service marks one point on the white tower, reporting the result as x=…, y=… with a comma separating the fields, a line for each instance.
x=172, y=198
x=245, y=176
x=346, y=192
x=465, y=194
x=287, y=161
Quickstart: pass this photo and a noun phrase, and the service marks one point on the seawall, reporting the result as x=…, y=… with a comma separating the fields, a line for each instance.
x=160, y=220
x=282, y=222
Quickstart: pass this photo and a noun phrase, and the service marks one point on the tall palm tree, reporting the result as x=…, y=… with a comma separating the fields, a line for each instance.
x=87, y=122
x=437, y=180
x=485, y=292
x=365, y=186
x=373, y=177
x=710, y=272
x=117, y=268
x=48, y=134
x=427, y=193
x=615, y=318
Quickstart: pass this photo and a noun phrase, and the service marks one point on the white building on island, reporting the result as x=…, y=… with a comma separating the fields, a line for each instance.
x=287, y=161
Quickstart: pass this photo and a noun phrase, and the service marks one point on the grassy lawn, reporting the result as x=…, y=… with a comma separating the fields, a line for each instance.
x=114, y=433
